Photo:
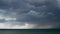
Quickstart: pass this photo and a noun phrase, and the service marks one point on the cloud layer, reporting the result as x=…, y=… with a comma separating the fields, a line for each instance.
x=25, y=26
x=39, y=13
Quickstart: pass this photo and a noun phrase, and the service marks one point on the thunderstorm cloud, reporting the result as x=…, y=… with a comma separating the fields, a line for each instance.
x=29, y=14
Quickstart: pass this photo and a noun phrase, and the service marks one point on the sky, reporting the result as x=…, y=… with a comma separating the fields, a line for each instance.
x=29, y=14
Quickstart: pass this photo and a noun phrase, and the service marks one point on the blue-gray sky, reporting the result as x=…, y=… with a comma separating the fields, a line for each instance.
x=30, y=14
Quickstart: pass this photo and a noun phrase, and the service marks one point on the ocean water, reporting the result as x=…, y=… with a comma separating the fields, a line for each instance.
x=29, y=31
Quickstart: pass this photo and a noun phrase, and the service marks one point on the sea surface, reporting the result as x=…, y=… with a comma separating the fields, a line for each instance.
x=29, y=31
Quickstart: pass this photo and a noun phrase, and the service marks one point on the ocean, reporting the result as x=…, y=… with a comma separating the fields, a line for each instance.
x=29, y=31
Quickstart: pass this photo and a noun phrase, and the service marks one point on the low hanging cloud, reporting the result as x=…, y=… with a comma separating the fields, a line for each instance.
x=25, y=26
x=37, y=14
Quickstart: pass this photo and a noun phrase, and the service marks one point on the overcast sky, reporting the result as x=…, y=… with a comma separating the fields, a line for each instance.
x=29, y=14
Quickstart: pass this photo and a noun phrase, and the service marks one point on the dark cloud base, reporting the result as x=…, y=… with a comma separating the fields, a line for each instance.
x=32, y=11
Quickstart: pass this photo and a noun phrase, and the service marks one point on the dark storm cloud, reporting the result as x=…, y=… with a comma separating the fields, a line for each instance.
x=46, y=9
x=32, y=11
x=13, y=6
x=43, y=12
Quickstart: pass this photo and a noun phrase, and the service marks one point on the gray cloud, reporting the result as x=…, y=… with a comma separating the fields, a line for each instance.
x=46, y=12
x=31, y=11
